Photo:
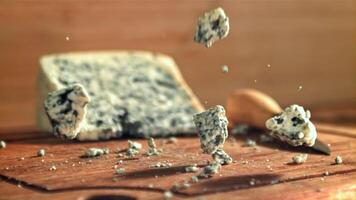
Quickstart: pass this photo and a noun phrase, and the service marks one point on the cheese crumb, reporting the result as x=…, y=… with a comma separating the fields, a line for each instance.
x=210, y=169
x=152, y=150
x=252, y=182
x=338, y=160
x=300, y=88
x=162, y=165
x=192, y=168
x=300, y=158
x=134, y=145
x=41, y=153
x=2, y=144
x=53, y=168
x=93, y=152
x=249, y=143
x=195, y=179
x=168, y=195
x=120, y=170
x=225, y=69
x=133, y=148
x=222, y=157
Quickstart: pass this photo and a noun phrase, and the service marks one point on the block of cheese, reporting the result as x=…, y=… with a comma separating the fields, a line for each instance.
x=135, y=94
x=293, y=126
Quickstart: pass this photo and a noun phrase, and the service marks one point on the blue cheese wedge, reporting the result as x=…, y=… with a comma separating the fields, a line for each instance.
x=66, y=110
x=293, y=126
x=212, y=26
x=134, y=94
x=212, y=128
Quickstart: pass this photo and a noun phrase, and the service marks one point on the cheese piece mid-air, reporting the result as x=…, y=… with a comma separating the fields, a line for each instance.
x=212, y=128
x=212, y=26
x=135, y=94
x=66, y=110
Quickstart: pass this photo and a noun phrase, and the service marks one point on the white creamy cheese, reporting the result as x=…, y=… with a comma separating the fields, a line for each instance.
x=212, y=26
x=293, y=126
x=135, y=94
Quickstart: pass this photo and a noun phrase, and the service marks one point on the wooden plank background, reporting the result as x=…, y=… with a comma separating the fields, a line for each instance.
x=307, y=42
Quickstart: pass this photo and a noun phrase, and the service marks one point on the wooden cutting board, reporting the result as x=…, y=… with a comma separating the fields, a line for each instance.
x=264, y=169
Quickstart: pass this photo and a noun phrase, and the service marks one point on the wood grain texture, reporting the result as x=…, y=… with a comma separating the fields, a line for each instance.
x=313, y=188
x=19, y=192
x=308, y=43
x=268, y=165
x=332, y=187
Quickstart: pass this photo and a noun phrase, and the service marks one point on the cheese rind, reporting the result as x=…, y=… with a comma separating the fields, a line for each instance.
x=136, y=94
x=293, y=126
x=66, y=110
x=212, y=128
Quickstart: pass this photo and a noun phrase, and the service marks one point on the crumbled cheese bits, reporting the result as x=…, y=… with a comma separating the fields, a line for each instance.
x=212, y=128
x=212, y=26
x=293, y=126
x=66, y=109
x=222, y=157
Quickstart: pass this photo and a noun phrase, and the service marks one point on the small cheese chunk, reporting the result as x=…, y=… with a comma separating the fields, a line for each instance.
x=66, y=109
x=152, y=149
x=192, y=168
x=93, y=152
x=338, y=160
x=300, y=158
x=293, y=126
x=41, y=152
x=212, y=26
x=212, y=128
x=222, y=157
x=133, y=148
x=2, y=144
x=210, y=169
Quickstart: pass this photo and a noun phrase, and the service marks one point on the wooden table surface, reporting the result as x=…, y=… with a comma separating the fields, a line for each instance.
x=26, y=176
